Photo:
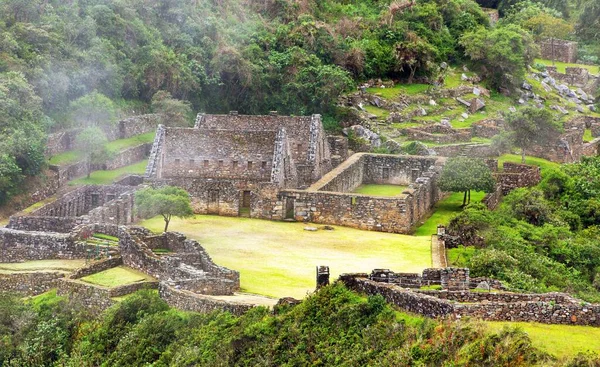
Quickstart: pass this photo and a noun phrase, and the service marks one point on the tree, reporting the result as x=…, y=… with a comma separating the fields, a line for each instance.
x=466, y=174
x=545, y=26
x=502, y=53
x=91, y=142
x=176, y=112
x=532, y=125
x=94, y=109
x=166, y=201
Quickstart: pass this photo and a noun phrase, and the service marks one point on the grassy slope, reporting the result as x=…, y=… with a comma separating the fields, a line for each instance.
x=107, y=177
x=445, y=209
x=380, y=190
x=559, y=340
x=66, y=265
x=279, y=258
x=117, y=276
x=561, y=66
x=544, y=164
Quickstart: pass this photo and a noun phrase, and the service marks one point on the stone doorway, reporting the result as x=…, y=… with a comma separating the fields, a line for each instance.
x=289, y=208
x=245, y=204
x=213, y=202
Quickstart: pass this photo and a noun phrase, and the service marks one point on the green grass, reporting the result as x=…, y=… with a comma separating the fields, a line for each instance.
x=544, y=164
x=444, y=210
x=107, y=177
x=279, y=258
x=379, y=112
x=66, y=158
x=380, y=190
x=38, y=205
x=561, y=66
x=587, y=136
x=560, y=340
x=41, y=265
x=114, y=277
x=460, y=256
x=399, y=89
x=122, y=144
x=105, y=237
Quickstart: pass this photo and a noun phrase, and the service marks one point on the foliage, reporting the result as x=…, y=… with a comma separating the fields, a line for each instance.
x=93, y=110
x=531, y=125
x=91, y=142
x=502, y=53
x=463, y=174
x=588, y=24
x=166, y=201
x=176, y=112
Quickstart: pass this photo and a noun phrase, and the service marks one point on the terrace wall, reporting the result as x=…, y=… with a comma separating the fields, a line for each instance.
x=29, y=284
x=564, y=51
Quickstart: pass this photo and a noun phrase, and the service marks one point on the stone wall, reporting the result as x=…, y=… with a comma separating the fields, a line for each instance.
x=338, y=146
x=96, y=267
x=548, y=309
x=93, y=297
x=487, y=128
x=81, y=200
x=565, y=51
x=188, y=301
x=29, y=284
x=18, y=246
x=470, y=150
x=45, y=224
x=125, y=157
x=190, y=268
x=137, y=125
x=516, y=175
x=438, y=133
x=117, y=211
x=66, y=173
x=61, y=141
x=574, y=76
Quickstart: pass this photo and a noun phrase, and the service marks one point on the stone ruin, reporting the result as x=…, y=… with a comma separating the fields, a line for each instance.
x=271, y=167
x=461, y=296
x=560, y=50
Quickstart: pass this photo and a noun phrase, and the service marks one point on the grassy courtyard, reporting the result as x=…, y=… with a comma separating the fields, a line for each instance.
x=279, y=258
x=380, y=190
x=559, y=340
x=42, y=265
x=444, y=210
x=107, y=177
x=114, y=277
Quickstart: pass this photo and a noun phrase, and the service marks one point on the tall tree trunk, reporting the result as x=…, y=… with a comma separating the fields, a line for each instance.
x=552, y=47
x=89, y=167
x=167, y=219
x=464, y=199
x=523, y=155
x=469, y=199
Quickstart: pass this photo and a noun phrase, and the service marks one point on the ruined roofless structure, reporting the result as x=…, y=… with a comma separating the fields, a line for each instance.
x=228, y=163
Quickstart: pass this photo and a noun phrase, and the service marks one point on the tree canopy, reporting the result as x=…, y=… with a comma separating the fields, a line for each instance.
x=463, y=174
x=166, y=201
x=532, y=125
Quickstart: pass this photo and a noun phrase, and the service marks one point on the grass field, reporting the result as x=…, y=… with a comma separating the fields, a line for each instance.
x=114, y=277
x=445, y=209
x=380, y=190
x=59, y=265
x=65, y=158
x=107, y=177
x=561, y=66
x=558, y=340
x=544, y=164
x=279, y=258
x=122, y=144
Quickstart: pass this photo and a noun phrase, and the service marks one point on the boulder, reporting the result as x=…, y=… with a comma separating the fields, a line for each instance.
x=476, y=105
x=526, y=86
x=363, y=133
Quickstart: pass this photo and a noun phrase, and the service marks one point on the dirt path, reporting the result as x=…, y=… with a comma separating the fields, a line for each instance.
x=438, y=253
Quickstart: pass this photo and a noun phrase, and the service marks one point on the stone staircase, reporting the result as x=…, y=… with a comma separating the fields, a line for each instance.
x=155, y=152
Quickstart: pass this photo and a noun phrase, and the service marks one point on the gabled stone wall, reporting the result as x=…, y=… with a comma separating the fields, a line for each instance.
x=564, y=51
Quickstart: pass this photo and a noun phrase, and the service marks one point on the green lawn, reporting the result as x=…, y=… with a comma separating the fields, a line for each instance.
x=61, y=159
x=587, y=136
x=544, y=164
x=561, y=66
x=279, y=258
x=39, y=265
x=560, y=340
x=107, y=177
x=122, y=144
x=114, y=277
x=112, y=147
x=445, y=209
x=380, y=190
x=379, y=112
x=398, y=89
x=39, y=204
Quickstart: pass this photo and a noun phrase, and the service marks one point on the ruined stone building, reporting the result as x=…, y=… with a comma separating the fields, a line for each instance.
x=280, y=167
x=229, y=163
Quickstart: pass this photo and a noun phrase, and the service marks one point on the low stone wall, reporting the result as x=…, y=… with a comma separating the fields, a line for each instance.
x=516, y=175
x=45, y=224
x=137, y=125
x=560, y=50
x=123, y=290
x=470, y=150
x=130, y=180
x=553, y=308
x=486, y=128
x=69, y=172
x=125, y=157
x=29, y=284
x=18, y=246
x=438, y=134
x=410, y=301
x=188, y=301
x=93, y=297
x=61, y=141
x=96, y=267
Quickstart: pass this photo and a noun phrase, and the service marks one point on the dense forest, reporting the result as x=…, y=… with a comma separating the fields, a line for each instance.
x=331, y=327
x=63, y=61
